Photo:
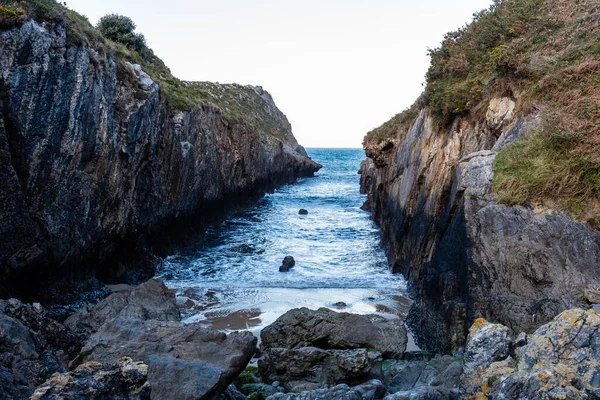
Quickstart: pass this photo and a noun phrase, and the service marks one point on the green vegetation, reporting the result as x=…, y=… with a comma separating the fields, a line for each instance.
x=120, y=29
x=79, y=30
x=546, y=55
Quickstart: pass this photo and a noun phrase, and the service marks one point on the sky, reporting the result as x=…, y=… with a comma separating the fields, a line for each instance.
x=336, y=68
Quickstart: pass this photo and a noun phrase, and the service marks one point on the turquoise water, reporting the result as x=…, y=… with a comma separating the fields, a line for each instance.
x=230, y=278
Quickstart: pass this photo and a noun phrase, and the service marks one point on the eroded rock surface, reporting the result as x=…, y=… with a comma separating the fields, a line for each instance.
x=371, y=390
x=329, y=330
x=96, y=164
x=319, y=368
x=185, y=361
x=560, y=360
x=123, y=380
x=466, y=256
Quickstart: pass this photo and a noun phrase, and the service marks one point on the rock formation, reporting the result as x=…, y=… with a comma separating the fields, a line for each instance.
x=123, y=380
x=465, y=255
x=559, y=360
x=98, y=164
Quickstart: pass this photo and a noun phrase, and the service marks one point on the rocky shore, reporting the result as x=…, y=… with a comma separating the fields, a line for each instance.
x=132, y=345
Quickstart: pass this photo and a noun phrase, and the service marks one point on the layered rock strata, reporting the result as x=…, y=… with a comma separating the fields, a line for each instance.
x=97, y=168
x=466, y=256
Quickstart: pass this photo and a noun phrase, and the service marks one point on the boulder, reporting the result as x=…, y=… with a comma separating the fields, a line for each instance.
x=329, y=330
x=287, y=264
x=487, y=350
x=303, y=211
x=185, y=361
x=313, y=367
x=123, y=380
x=426, y=393
x=371, y=390
x=149, y=301
x=416, y=376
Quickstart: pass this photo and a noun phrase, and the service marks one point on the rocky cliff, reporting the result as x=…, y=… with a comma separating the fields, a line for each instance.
x=100, y=163
x=435, y=178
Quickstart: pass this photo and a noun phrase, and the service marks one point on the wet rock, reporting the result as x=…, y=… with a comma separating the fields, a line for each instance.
x=185, y=361
x=149, y=301
x=297, y=368
x=123, y=380
x=303, y=211
x=340, y=304
x=371, y=390
x=287, y=264
x=330, y=330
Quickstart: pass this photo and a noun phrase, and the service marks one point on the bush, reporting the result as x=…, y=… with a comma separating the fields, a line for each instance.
x=121, y=29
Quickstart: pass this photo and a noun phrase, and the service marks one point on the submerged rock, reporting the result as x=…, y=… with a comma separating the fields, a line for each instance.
x=287, y=264
x=329, y=330
x=123, y=380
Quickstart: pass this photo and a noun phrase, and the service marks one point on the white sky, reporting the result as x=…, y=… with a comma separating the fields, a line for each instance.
x=336, y=68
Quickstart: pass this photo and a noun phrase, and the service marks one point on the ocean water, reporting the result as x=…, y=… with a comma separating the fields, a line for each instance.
x=230, y=280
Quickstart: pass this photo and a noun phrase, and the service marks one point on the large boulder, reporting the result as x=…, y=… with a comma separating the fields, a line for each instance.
x=123, y=380
x=370, y=390
x=149, y=301
x=185, y=361
x=318, y=368
x=329, y=330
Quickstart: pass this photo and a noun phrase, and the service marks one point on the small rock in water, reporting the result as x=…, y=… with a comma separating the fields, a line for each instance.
x=303, y=211
x=340, y=304
x=287, y=264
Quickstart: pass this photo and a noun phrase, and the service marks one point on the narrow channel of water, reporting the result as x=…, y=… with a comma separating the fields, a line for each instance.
x=230, y=278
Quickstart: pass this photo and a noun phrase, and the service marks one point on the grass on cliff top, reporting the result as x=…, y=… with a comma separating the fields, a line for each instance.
x=237, y=104
x=546, y=55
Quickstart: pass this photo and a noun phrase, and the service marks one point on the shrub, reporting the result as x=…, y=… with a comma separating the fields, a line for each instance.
x=121, y=29
x=11, y=15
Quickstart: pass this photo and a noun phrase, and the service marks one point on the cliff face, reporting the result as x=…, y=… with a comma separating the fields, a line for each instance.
x=95, y=164
x=465, y=255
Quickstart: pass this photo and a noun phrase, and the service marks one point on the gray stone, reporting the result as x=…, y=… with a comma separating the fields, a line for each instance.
x=426, y=393
x=150, y=300
x=330, y=330
x=322, y=368
x=123, y=380
x=417, y=375
x=371, y=390
x=184, y=361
